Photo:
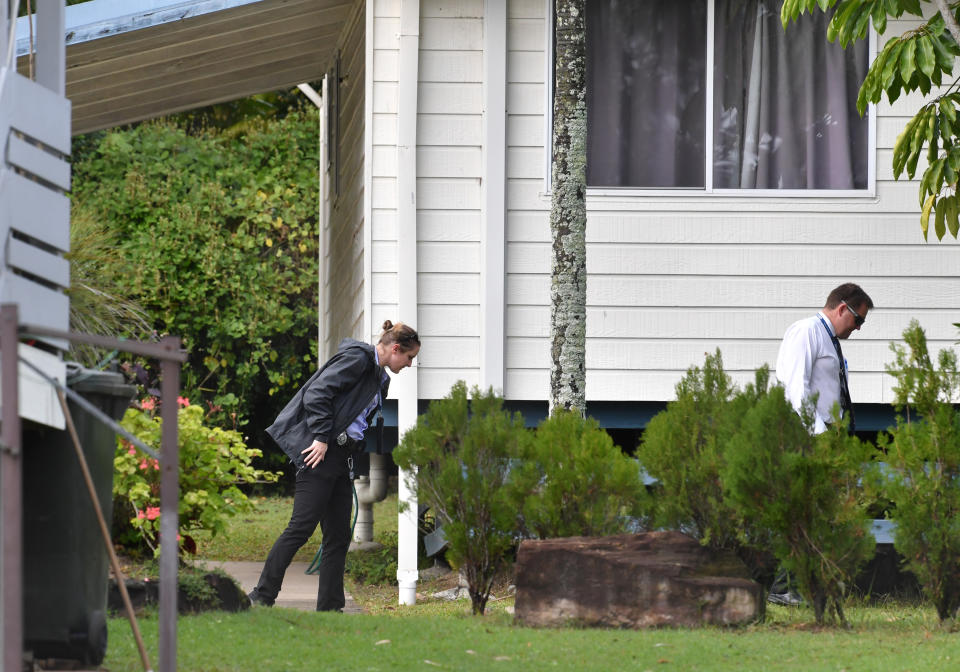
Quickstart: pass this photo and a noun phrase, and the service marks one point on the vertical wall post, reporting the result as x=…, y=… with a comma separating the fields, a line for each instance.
x=51, y=47
x=493, y=204
x=407, y=301
x=169, y=498
x=11, y=500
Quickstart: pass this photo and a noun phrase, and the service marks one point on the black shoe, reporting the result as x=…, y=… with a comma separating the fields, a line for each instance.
x=787, y=599
x=258, y=599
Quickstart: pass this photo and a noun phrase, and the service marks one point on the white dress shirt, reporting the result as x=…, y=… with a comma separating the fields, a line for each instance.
x=807, y=364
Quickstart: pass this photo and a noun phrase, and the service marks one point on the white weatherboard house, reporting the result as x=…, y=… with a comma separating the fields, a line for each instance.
x=732, y=185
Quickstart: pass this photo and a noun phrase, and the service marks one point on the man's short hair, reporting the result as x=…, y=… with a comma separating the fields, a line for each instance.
x=850, y=293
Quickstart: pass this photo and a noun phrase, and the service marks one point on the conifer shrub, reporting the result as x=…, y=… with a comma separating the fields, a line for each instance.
x=578, y=483
x=921, y=475
x=684, y=449
x=805, y=491
x=462, y=455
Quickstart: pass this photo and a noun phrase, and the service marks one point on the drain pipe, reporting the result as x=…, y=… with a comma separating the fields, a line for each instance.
x=370, y=489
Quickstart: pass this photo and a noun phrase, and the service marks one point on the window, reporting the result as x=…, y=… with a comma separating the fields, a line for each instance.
x=752, y=108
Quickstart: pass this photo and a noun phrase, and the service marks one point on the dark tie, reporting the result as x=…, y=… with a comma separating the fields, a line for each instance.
x=845, y=402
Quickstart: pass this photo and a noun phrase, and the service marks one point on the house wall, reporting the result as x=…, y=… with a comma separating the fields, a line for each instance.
x=670, y=277
x=343, y=316
x=448, y=186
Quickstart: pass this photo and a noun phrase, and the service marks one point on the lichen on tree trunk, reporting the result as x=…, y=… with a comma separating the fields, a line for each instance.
x=568, y=213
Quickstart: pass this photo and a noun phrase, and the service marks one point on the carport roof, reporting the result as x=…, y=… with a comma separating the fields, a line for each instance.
x=129, y=60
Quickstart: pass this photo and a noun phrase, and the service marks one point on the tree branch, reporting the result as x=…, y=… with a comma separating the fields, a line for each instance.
x=949, y=19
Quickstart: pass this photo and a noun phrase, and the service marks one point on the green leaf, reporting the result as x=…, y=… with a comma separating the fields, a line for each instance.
x=943, y=55
x=908, y=62
x=890, y=69
x=925, y=215
x=879, y=15
x=953, y=222
x=926, y=58
x=938, y=223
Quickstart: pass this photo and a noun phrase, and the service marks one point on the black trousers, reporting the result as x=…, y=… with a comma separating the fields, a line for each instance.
x=323, y=495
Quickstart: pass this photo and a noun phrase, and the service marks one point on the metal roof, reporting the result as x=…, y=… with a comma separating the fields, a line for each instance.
x=129, y=60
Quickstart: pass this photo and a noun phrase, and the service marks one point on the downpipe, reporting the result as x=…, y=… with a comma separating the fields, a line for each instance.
x=370, y=489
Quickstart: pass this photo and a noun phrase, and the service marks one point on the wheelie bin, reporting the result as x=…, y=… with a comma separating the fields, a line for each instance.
x=65, y=563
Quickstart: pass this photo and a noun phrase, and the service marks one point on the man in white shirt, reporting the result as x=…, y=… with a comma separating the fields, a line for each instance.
x=810, y=362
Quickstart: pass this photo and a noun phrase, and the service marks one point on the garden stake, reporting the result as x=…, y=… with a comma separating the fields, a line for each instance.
x=114, y=563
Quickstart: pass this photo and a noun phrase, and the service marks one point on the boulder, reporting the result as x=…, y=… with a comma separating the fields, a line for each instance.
x=632, y=581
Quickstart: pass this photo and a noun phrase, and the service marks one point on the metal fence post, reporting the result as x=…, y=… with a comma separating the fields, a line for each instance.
x=11, y=500
x=169, y=499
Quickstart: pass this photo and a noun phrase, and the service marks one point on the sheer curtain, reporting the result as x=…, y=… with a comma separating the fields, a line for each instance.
x=646, y=70
x=785, y=104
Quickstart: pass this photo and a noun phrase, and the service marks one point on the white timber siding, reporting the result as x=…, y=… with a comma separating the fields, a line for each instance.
x=346, y=220
x=449, y=161
x=672, y=278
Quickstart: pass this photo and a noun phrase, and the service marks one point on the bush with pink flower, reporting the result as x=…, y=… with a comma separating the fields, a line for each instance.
x=214, y=462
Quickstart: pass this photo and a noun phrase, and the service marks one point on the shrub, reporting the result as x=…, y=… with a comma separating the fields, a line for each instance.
x=463, y=453
x=922, y=473
x=684, y=448
x=578, y=482
x=217, y=242
x=213, y=463
x=805, y=491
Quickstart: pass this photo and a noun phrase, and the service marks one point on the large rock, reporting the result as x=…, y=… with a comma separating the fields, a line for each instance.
x=632, y=581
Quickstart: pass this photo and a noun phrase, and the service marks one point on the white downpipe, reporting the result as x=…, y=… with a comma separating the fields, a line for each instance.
x=322, y=216
x=407, y=387
x=370, y=489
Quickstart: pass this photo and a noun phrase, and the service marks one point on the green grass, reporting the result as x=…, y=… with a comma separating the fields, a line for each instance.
x=895, y=636
x=250, y=536
x=419, y=637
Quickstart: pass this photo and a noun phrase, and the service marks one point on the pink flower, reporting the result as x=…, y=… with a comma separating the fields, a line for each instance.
x=153, y=512
x=131, y=450
x=148, y=404
x=141, y=514
x=143, y=464
x=183, y=401
x=156, y=464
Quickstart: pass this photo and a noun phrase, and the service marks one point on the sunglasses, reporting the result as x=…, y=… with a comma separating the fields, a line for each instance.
x=857, y=319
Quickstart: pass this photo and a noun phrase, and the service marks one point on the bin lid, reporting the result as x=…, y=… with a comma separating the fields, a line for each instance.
x=82, y=379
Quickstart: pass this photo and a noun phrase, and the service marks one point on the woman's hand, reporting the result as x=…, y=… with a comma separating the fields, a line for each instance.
x=314, y=454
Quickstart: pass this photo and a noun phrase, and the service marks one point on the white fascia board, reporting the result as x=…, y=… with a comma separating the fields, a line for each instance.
x=103, y=18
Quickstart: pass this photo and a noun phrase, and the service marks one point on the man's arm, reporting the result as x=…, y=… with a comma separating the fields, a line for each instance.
x=798, y=351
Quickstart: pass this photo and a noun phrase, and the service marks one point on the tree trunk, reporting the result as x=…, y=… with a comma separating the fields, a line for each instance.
x=568, y=213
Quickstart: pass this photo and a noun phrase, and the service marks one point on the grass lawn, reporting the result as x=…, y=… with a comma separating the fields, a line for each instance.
x=435, y=634
x=419, y=638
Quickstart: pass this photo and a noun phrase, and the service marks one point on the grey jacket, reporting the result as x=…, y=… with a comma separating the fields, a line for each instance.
x=330, y=400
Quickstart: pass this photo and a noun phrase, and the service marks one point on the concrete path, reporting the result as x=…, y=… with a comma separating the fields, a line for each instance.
x=299, y=590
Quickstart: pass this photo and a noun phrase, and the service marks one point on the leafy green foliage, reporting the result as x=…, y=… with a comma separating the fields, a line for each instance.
x=916, y=60
x=922, y=473
x=213, y=463
x=463, y=453
x=684, y=447
x=98, y=303
x=804, y=490
x=578, y=483
x=217, y=233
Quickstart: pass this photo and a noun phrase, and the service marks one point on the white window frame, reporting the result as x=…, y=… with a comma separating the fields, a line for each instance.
x=613, y=194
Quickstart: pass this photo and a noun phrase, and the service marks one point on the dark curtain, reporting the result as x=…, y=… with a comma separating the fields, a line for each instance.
x=785, y=109
x=646, y=65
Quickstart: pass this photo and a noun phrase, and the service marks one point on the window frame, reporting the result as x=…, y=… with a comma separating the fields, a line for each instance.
x=709, y=191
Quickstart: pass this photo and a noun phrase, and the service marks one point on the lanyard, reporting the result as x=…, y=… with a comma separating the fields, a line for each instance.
x=845, y=402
